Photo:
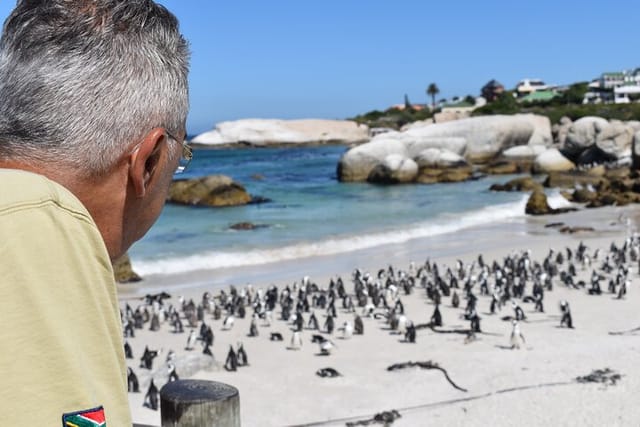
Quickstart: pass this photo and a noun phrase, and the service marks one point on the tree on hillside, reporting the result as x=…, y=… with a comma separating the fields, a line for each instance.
x=407, y=103
x=432, y=91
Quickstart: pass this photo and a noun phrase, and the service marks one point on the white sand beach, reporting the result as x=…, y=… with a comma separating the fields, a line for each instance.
x=533, y=385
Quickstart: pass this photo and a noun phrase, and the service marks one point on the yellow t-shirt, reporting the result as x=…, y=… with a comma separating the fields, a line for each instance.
x=61, y=346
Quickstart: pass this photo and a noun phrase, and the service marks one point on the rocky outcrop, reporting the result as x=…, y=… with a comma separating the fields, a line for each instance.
x=635, y=151
x=518, y=184
x=538, y=205
x=476, y=140
x=552, y=160
x=395, y=169
x=214, y=190
x=582, y=134
x=266, y=132
x=123, y=271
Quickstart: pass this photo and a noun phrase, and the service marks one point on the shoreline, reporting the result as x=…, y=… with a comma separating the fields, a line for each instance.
x=279, y=386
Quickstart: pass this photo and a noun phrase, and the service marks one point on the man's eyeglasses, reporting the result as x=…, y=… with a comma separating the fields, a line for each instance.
x=185, y=157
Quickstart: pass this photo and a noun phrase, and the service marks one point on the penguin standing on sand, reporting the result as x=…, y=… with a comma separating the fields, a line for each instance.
x=455, y=300
x=410, y=333
x=436, y=317
x=243, y=360
x=566, y=315
x=296, y=341
x=151, y=398
x=358, y=325
x=132, y=382
x=313, y=322
x=347, y=330
x=329, y=325
x=128, y=353
x=517, y=339
x=253, y=328
x=231, y=364
x=518, y=311
x=191, y=340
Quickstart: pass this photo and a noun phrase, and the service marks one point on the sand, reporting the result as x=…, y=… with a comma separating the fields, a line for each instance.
x=535, y=385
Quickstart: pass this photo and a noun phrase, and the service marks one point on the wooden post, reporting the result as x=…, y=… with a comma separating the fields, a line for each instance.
x=197, y=403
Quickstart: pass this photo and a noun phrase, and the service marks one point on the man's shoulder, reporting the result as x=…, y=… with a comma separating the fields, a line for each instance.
x=23, y=190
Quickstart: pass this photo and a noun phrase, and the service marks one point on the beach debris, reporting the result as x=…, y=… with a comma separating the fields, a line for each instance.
x=386, y=418
x=328, y=373
x=604, y=376
x=425, y=365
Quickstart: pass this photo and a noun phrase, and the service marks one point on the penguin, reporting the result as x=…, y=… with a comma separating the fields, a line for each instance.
x=455, y=300
x=228, y=322
x=231, y=364
x=191, y=340
x=207, y=350
x=146, y=361
x=132, y=382
x=128, y=353
x=296, y=341
x=253, y=328
x=328, y=373
x=410, y=333
x=517, y=339
x=566, y=315
x=173, y=376
x=436, y=318
x=326, y=347
x=358, y=325
x=151, y=398
x=275, y=336
x=403, y=322
x=241, y=354
x=518, y=311
x=313, y=322
x=329, y=325
x=347, y=330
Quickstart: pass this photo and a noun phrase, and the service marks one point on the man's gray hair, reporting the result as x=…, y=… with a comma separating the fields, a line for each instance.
x=82, y=80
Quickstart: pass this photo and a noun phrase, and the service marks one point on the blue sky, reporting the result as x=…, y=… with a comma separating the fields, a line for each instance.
x=339, y=58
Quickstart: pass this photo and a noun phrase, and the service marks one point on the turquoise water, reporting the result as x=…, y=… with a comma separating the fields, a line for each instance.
x=310, y=212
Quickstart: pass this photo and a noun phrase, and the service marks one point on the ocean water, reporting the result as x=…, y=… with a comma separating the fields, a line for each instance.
x=310, y=213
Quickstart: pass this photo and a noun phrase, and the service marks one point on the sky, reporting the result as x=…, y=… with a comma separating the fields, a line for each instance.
x=334, y=59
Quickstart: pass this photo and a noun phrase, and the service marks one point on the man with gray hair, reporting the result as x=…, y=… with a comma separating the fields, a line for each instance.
x=93, y=104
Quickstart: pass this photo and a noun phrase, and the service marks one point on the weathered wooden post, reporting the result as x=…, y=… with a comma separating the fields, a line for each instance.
x=197, y=403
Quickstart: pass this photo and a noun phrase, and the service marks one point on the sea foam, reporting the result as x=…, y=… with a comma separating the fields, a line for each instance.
x=448, y=223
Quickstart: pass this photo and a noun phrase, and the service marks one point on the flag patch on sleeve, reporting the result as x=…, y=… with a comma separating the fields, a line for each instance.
x=87, y=418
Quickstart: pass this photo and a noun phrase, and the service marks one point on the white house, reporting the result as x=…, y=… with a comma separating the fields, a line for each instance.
x=527, y=86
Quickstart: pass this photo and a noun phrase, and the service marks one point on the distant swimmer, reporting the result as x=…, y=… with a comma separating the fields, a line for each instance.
x=517, y=339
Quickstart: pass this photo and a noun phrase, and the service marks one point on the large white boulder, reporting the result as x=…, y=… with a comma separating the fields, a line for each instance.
x=439, y=159
x=523, y=152
x=615, y=140
x=261, y=132
x=552, y=160
x=582, y=134
x=394, y=169
x=357, y=163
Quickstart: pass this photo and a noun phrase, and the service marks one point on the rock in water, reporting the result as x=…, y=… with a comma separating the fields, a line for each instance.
x=214, y=190
x=537, y=203
x=123, y=271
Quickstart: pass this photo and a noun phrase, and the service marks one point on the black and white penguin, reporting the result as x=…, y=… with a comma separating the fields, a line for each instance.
x=328, y=373
x=231, y=363
x=132, y=382
x=358, y=325
x=329, y=325
x=296, y=341
x=517, y=339
x=151, y=398
x=191, y=340
x=410, y=333
x=173, y=375
x=455, y=300
x=436, y=317
x=241, y=355
x=313, y=322
x=146, y=361
x=566, y=315
x=253, y=328
x=128, y=353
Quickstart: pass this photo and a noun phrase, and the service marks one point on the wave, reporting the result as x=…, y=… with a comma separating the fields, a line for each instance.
x=445, y=224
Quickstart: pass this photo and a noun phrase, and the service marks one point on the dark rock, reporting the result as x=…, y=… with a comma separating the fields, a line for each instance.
x=526, y=183
x=506, y=167
x=537, y=204
x=583, y=195
x=246, y=226
x=572, y=230
x=570, y=179
x=214, y=190
x=435, y=175
x=123, y=271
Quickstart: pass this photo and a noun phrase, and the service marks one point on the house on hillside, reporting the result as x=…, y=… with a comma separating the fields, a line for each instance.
x=527, y=86
x=619, y=87
x=492, y=90
x=539, y=96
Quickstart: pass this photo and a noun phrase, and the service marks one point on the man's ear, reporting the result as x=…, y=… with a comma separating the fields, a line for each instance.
x=144, y=160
